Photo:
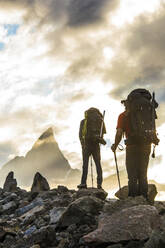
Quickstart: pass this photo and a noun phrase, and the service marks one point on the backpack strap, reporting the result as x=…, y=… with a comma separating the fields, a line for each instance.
x=84, y=128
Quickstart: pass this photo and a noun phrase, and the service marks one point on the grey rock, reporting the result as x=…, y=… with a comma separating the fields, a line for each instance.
x=135, y=244
x=10, y=184
x=62, y=189
x=35, y=246
x=36, y=210
x=1, y=191
x=5, y=194
x=113, y=206
x=8, y=198
x=115, y=246
x=160, y=206
x=63, y=243
x=99, y=193
x=44, y=236
x=81, y=211
x=55, y=214
x=23, y=210
x=9, y=241
x=30, y=230
x=8, y=207
x=2, y=233
x=39, y=183
x=157, y=240
x=135, y=223
x=123, y=192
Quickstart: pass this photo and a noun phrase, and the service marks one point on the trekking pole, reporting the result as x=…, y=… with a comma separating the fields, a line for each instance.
x=91, y=171
x=117, y=170
x=154, y=134
x=102, y=125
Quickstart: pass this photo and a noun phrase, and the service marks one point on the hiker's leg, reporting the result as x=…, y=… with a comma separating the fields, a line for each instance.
x=97, y=159
x=144, y=154
x=85, y=153
x=131, y=166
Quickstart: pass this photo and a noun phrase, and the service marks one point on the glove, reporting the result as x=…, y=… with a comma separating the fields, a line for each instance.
x=113, y=147
x=102, y=141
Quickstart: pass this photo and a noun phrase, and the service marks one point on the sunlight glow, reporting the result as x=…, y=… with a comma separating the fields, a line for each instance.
x=108, y=53
x=5, y=134
x=158, y=171
x=129, y=9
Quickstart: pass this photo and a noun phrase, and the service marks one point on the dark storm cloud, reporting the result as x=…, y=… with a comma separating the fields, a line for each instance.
x=85, y=12
x=77, y=12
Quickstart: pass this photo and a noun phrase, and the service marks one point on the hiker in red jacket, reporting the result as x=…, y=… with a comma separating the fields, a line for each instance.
x=138, y=141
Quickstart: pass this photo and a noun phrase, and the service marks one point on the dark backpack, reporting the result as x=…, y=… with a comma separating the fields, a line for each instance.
x=92, y=126
x=142, y=105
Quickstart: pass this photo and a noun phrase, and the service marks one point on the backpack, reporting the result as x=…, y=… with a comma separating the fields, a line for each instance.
x=93, y=122
x=142, y=114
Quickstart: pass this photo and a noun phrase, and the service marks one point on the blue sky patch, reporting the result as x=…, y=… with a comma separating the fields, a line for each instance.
x=2, y=46
x=11, y=28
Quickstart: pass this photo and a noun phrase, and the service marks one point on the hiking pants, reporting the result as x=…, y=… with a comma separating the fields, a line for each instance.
x=137, y=158
x=94, y=150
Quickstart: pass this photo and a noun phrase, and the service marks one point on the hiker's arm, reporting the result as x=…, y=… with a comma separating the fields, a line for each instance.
x=80, y=132
x=118, y=138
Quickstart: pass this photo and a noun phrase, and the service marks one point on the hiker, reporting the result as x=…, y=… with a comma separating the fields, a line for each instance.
x=137, y=123
x=91, y=132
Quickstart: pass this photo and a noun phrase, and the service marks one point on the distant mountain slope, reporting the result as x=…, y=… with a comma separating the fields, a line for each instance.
x=45, y=157
x=111, y=182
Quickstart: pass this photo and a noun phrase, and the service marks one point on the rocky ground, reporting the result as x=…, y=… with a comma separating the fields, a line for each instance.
x=63, y=218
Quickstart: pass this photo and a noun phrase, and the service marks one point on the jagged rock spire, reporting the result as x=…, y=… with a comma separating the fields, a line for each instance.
x=46, y=137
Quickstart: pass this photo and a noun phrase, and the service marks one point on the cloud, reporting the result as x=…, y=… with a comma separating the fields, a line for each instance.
x=80, y=96
x=85, y=12
x=55, y=66
x=7, y=149
x=139, y=61
x=76, y=12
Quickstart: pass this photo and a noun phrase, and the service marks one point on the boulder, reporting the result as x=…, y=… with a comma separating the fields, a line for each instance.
x=62, y=189
x=123, y=192
x=99, y=193
x=160, y=206
x=10, y=184
x=44, y=236
x=157, y=239
x=55, y=214
x=111, y=206
x=39, y=183
x=134, y=223
x=8, y=207
x=82, y=210
x=30, y=230
x=63, y=243
x=23, y=210
x=2, y=234
x=33, y=212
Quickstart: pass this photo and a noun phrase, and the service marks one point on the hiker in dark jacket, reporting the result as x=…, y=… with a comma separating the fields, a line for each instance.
x=91, y=132
x=138, y=147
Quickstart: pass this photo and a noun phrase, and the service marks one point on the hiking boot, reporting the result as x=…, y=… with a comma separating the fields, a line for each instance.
x=99, y=186
x=82, y=186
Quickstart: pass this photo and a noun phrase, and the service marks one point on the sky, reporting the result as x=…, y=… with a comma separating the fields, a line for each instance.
x=60, y=57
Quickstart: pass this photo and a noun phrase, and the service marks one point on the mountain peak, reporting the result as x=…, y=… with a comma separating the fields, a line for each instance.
x=46, y=137
x=48, y=133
